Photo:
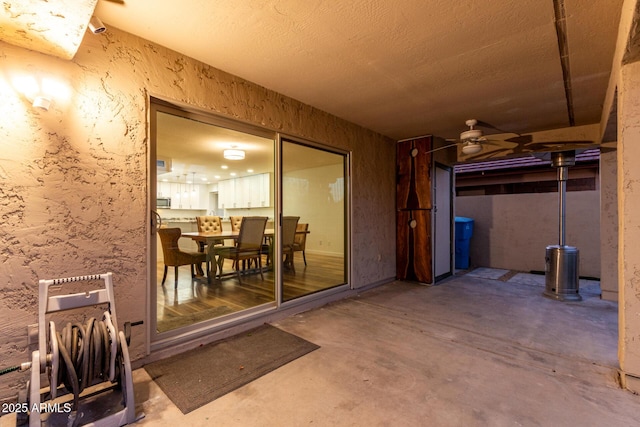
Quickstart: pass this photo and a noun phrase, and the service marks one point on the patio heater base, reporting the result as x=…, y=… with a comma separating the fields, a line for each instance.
x=561, y=273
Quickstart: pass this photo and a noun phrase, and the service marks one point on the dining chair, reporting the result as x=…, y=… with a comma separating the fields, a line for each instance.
x=300, y=240
x=236, y=222
x=174, y=256
x=247, y=247
x=289, y=224
x=208, y=224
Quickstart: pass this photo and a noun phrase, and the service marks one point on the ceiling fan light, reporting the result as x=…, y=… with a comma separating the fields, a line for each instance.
x=471, y=147
x=233, y=154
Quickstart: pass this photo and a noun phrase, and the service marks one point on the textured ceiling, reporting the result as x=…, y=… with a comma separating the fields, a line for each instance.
x=403, y=68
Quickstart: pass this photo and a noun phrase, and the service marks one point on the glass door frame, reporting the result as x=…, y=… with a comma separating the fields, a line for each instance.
x=164, y=339
x=158, y=341
x=281, y=139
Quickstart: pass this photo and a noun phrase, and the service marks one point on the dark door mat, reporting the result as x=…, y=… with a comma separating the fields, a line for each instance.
x=199, y=376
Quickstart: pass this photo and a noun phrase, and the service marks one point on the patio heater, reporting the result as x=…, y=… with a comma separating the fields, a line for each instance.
x=561, y=269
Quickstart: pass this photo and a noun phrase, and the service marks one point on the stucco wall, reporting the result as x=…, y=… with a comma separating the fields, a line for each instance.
x=74, y=179
x=629, y=225
x=512, y=231
x=609, y=225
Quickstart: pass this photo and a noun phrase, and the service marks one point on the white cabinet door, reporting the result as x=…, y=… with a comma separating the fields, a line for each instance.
x=251, y=191
x=176, y=195
x=203, y=197
x=222, y=194
x=246, y=192
x=265, y=190
x=198, y=197
x=164, y=189
x=238, y=199
x=226, y=194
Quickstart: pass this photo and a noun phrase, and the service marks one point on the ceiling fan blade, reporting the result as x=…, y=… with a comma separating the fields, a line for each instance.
x=520, y=139
x=504, y=143
x=557, y=145
x=486, y=155
x=488, y=126
x=443, y=147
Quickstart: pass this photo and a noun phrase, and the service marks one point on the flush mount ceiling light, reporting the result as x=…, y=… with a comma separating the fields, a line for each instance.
x=234, y=154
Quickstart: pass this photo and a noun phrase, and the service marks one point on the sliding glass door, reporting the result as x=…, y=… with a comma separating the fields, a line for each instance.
x=314, y=192
x=208, y=175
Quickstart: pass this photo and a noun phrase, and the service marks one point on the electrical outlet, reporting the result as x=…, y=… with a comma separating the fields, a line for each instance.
x=32, y=334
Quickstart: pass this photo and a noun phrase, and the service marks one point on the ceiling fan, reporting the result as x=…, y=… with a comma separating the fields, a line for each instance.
x=473, y=141
x=473, y=138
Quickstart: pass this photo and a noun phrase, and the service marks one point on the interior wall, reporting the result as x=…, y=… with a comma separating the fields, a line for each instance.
x=512, y=231
x=75, y=186
x=317, y=207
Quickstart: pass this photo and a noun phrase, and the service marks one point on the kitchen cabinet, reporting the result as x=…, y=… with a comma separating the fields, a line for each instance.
x=252, y=191
x=226, y=194
x=185, y=196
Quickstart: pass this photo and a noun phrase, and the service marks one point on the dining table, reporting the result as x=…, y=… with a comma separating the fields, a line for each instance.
x=209, y=237
x=212, y=238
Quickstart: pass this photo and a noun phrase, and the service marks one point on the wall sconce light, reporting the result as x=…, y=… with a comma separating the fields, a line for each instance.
x=42, y=102
x=41, y=92
x=234, y=154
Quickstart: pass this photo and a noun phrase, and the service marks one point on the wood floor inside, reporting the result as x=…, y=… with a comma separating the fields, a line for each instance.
x=195, y=299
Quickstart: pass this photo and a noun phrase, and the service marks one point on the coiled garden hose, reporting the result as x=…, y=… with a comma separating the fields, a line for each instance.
x=86, y=353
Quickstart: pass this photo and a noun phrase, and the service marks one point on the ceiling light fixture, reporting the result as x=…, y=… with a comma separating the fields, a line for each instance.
x=471, y=147
x=234, y=154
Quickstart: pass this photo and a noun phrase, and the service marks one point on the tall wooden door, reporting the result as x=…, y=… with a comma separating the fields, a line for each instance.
x=413, y=210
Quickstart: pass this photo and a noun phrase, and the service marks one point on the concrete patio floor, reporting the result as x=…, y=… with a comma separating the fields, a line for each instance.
x=483, y=348
x=476, y=350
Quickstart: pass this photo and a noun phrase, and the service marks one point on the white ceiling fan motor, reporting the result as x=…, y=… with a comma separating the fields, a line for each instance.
x=471, y=134
x=471, y=138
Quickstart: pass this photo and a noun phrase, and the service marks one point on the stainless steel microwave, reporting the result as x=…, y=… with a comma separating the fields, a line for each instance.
x=163, y=202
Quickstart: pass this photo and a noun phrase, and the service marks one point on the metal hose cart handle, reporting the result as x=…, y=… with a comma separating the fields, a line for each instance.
x=82, y=357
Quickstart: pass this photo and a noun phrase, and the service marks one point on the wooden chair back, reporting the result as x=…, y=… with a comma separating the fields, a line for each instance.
x=289, y=224
x=169, y=239
x=300, y=240
x=251, y=233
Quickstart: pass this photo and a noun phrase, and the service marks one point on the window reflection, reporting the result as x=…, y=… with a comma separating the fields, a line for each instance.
x=313, y=188
x=199, y=189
